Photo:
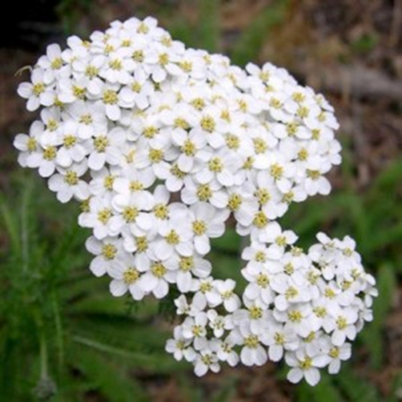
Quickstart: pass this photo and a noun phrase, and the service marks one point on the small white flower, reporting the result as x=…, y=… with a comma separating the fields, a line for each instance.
x=28, y=145
x=305, y=366
x=155, y=279
x=126, y=277
x=206, y=360
x=68, y=183
x=206, y=222
x=179, y=346
x=106, y=148
x=107, y=253
x=38, y=92
x=98, y=217
x=252, y=352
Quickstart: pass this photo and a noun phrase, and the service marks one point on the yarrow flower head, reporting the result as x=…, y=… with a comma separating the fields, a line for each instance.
x=162, y=144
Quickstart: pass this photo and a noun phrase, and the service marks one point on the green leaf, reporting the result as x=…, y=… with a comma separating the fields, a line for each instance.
x=209, y=25
x=249, y=44
x=325, y=390
x=160, y=363
x=11, y=226
x=108, y=378
x=355, y=388
x=229, y=243
x=373, y=334
x=227, y=391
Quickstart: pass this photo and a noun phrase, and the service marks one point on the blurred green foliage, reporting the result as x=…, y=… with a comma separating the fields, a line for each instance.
x=63, y=337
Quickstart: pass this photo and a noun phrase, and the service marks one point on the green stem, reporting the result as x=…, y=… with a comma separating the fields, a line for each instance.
x=24, y=228
x=44, y=372
x=59, y=332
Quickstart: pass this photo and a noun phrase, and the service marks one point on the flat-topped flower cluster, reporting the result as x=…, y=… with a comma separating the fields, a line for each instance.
x=163, y=144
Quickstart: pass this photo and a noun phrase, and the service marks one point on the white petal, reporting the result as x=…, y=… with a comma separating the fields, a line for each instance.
x=117, y=288
x=312, y=376
x=295, y=375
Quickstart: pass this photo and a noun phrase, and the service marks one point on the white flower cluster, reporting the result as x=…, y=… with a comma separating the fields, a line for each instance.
x=161, y=144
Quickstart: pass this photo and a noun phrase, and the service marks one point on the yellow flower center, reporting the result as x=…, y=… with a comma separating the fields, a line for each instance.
x=155, y=155
x=288, y=197
x=255, y=312
x=138, y=56
x=136, y=87
x=150, y=131
x=86, y=119
x=204, y=192
x=71, y=178
x=334, y=352
x=161, y=211
x=110, y=97
x=260, y=256
x=101, y=143
x=281, y=241
x=208, y=124
x=320, y=312
x=186, y=66
x=69, y=141
x=108, y=182
x=109, y=251
x=313, y=174
x=306, y=364
x=234, y=202
x=342, y=323
x=116, y=64
x=205, y=287
x=303, y=112
x=181, y=123
x=130, y=276
x=158, y=270
x=260, y=220
x=298, y=97
x=215, y=165
x=32, y=144
x=248, y=164
x=130, y=214
x=329, y=293
x=199, y=227
x=49, y=153
x=141, y=243
x=188, y=148
x=295, y=316
x=251, y=341
x=52, y=125
x=91, y=72
x=276, y=171
x=198, y=103
x=163, y=59
x=262, y=280
x=302, y=155
x=57, y=63
x=172, y=238
x=279, y=338
x=177, y=172
x=262, y=195
x=38, y=89
x=232, y=141
x=136, y=186
x=104, y=215
x=78, y=92
x=197, y=332
x=142, y=28
x=260, y=146
x=186, y=263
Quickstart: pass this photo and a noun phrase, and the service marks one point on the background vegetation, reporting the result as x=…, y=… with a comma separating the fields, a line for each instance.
x=64, y=338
